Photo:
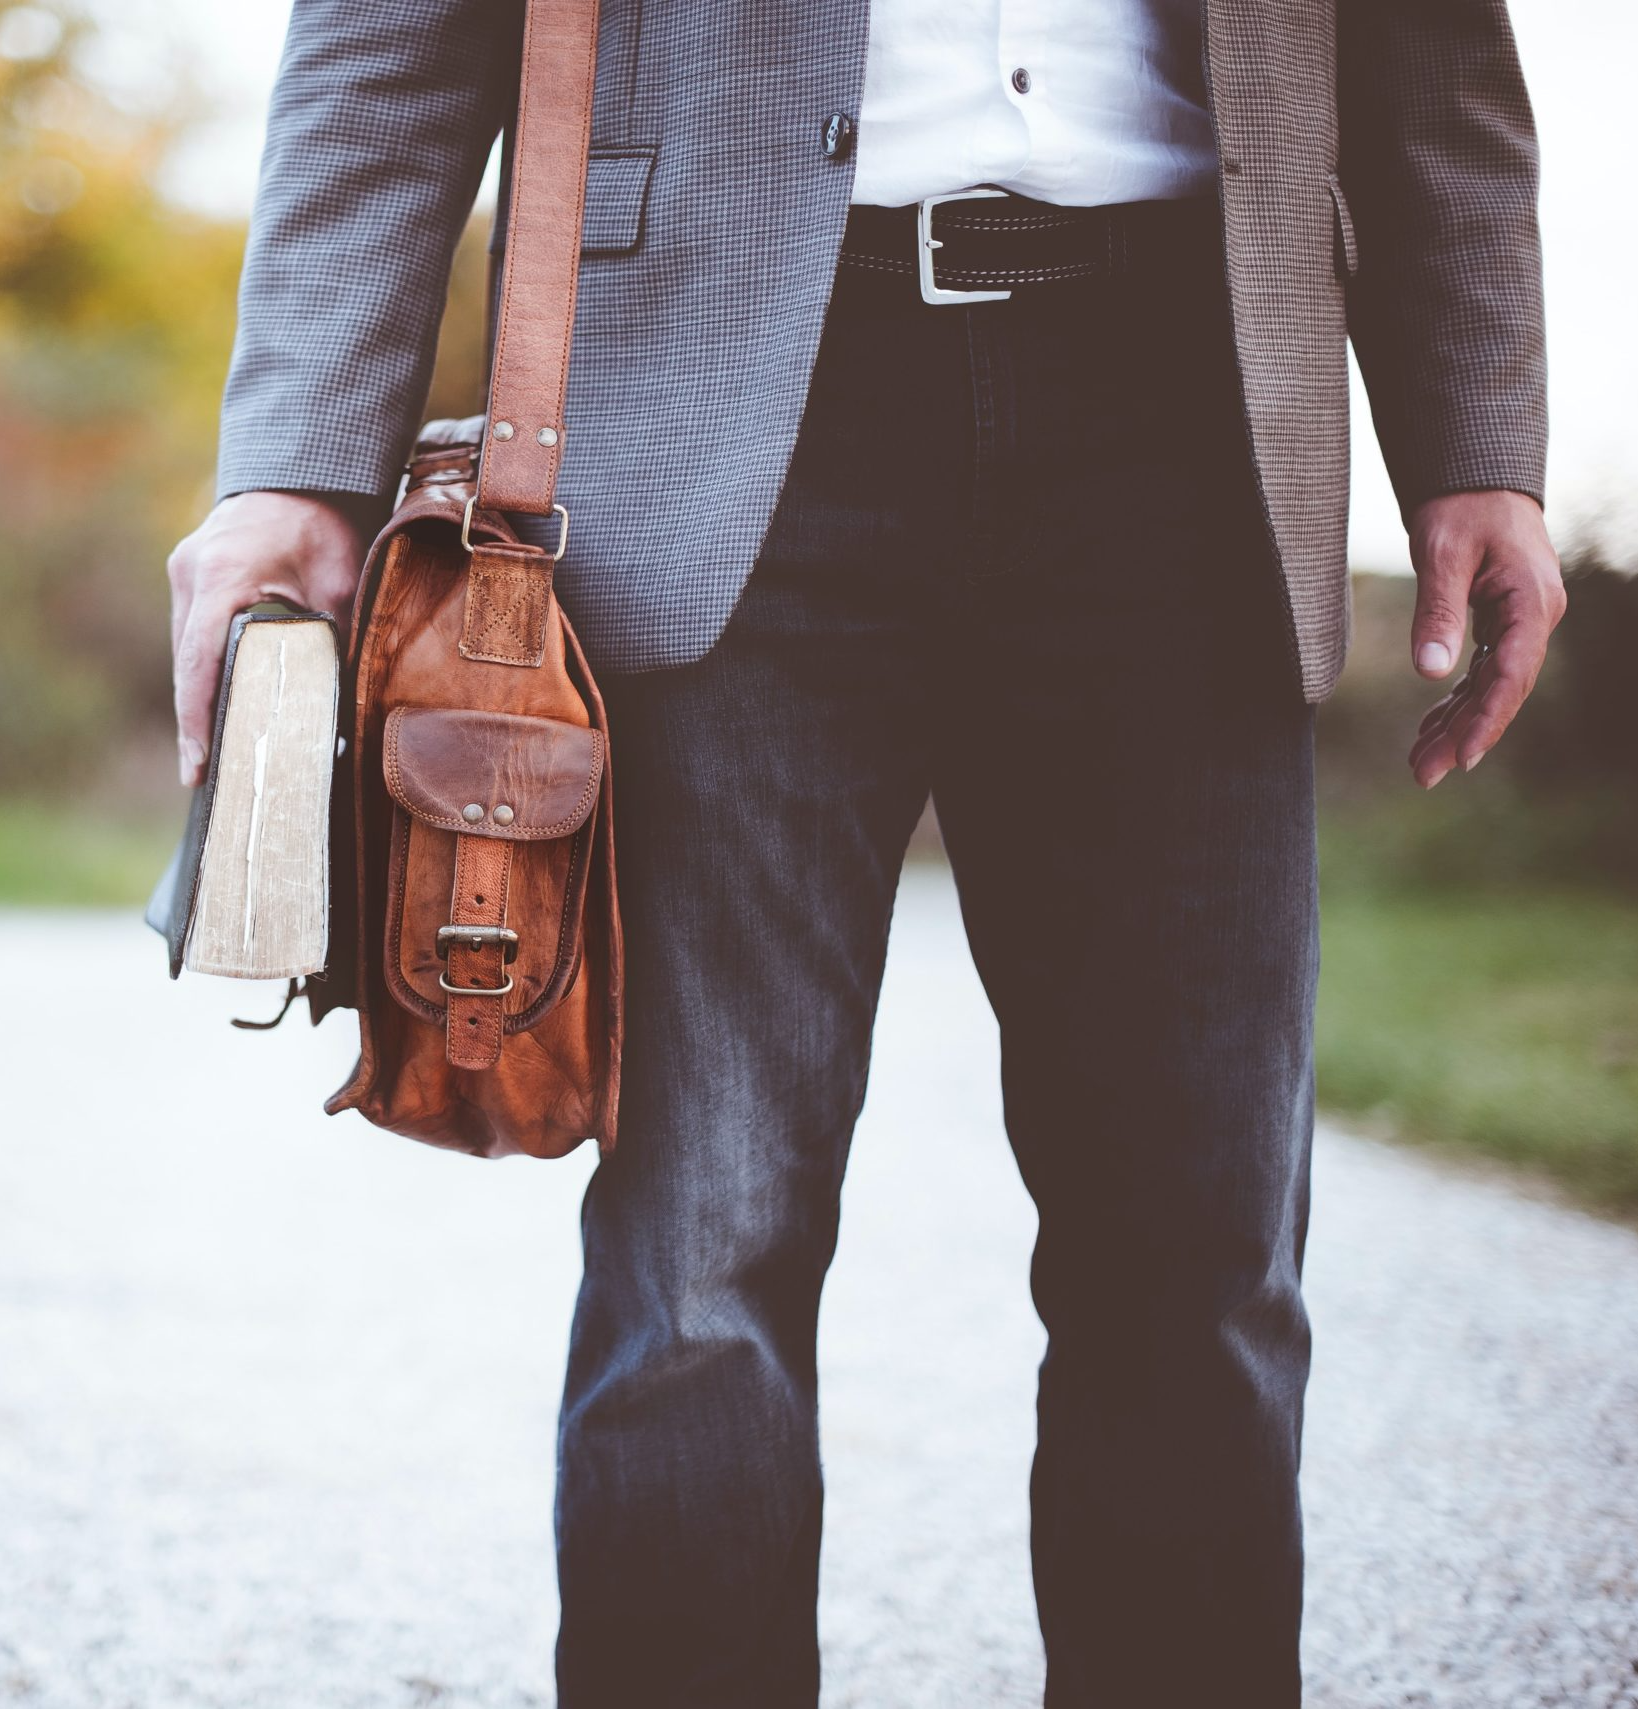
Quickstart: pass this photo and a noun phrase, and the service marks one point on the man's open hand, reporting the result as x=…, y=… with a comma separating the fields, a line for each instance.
x=1489, y=550
x=301, y=548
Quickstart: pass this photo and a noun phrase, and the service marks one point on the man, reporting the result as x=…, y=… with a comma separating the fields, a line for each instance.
x=1047, y=520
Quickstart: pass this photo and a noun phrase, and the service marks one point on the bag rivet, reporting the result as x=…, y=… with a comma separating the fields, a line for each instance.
x=547, y=436
x=503, y=430
x=472, y=812
x=503, y=815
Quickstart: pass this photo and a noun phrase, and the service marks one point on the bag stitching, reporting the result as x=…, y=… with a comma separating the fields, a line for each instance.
x=485, y=611
x=571, y=821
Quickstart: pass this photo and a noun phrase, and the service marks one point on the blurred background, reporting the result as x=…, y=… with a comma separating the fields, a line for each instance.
x=1481, y=967
x=277, y=1393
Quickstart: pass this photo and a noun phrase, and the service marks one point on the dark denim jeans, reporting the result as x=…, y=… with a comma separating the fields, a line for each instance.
x=1018, y=563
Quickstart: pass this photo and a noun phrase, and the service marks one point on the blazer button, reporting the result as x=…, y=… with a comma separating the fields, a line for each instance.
x=837, y=137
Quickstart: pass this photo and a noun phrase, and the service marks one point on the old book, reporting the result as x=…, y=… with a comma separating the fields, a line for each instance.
x=247, y=893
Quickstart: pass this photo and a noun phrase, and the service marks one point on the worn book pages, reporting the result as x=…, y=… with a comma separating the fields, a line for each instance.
x=262, y=909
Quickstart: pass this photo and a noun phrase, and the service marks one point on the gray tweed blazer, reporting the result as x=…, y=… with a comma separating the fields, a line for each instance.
x=1377, y=176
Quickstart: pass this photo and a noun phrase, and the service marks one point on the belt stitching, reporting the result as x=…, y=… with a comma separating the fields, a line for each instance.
x=979, y=273
x=1038, y=222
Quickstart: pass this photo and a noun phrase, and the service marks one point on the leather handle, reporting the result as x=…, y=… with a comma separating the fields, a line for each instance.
x=534, y=321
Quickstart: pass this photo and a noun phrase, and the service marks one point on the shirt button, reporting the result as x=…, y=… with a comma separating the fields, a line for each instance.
x=837, y=137
x=1020, y=80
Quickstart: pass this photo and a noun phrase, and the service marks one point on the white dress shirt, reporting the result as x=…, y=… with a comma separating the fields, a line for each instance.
x=1072, y=101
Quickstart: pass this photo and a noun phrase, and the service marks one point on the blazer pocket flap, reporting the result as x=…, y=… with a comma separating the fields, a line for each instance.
x=1347, y=242
x=527, y=778
x=617, y=182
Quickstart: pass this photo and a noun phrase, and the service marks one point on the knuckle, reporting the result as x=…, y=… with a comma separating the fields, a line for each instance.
x=1538, y=623
x=191, y=659
x=1512, y=682
x=1510, y=697
x=1437, y=612
x=213, y=565
x=1446, y=554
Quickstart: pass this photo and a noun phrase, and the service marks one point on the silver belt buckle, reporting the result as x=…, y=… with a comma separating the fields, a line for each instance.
x=926, y=243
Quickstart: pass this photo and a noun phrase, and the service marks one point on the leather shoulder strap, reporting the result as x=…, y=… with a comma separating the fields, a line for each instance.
x=523, y=443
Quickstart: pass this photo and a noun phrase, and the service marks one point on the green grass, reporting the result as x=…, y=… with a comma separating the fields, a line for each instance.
x=52, y=854
x=1504, y=1024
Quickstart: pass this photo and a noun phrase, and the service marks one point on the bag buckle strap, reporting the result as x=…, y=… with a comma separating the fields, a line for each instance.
x=558, y=511
x=477, y=947
x=475, y=990
x=477, y=937
x=926, y=243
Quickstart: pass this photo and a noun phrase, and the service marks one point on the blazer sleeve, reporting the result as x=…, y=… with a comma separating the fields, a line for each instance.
x=1439, y=165
x=382, y=121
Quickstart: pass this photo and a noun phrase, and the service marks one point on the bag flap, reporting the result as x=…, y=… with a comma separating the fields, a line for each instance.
x=492, y=774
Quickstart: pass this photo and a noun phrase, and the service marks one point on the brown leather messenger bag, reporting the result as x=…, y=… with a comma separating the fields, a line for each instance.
x=475, y=920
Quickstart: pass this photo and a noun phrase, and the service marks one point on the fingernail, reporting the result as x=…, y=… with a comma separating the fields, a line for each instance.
x=190, y=757
x=1468, y=764
x=1433, y=656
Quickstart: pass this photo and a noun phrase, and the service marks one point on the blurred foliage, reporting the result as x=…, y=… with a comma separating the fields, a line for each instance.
x=1480, y=985
x=54, y=852
x=116, y=320
x=1500, y=1022
x=115, y=314
x=1479, y=975
x=459, y=377
x=1555, y=802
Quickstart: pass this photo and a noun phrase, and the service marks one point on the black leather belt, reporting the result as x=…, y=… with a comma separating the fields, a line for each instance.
x=982, y=245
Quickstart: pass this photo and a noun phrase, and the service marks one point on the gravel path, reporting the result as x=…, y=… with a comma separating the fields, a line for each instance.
x=276, y=1392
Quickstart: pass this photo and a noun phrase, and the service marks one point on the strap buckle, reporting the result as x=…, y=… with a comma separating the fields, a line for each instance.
x=557, y=510
x=477, y=937
x=475, y=990
x=926, y=243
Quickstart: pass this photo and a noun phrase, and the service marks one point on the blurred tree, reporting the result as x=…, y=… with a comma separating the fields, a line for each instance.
x=116, y=321
x=460, y=375
x=116, y=313
x=1556, y=801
